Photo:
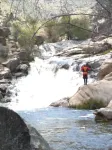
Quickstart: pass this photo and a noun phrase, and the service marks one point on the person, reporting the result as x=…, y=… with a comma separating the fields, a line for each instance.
x=85, y=68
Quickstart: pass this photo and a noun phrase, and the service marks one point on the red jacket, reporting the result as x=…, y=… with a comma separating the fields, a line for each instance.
x=85, y=69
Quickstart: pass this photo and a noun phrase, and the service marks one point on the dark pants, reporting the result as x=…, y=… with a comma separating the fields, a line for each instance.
x=85, y=77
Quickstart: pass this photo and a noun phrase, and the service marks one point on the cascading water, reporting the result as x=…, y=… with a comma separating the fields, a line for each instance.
x=43, y=86
x=63, y=128
x=45, y=83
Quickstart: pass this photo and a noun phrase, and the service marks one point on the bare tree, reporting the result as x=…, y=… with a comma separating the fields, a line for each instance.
x=102, y=20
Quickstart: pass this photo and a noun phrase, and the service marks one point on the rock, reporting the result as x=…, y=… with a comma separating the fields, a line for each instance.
x=62, y=102
x=19, y=74
x=23, y=68
x=13, y=50
x=39, y=40
x=5, y=81
x=105, y=69
x=5, y=100
x=92, y=96
x=37, y=141
x=16, y=135
x=1, y=96
x=3, y=51
x=5, y=73
x=96, y=48
x=12, y=64
x=23, y=55
x=104, y=114
x=3, y=88
x=13, y=44
x=4, y=32
x=3, y=41
x=65, y=66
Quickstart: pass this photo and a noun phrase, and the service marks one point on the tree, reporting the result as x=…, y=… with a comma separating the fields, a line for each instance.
x=102, y=20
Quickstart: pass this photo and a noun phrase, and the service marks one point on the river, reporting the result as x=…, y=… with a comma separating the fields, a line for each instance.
x=63, y=128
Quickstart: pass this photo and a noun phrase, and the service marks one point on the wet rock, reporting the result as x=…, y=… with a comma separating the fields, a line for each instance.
x=16, y=135
x=8, y=93
x=5, y=81
x=19, y=74
x=37, y=141
x=12, y=64
x=5, y=73
x=62, y=102
x=104, y=114
x=65, y=66
x=23, y=68
x=3, y=88
x=76, y=67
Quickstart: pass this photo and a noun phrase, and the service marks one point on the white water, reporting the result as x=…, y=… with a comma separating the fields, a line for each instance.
x=42, y=86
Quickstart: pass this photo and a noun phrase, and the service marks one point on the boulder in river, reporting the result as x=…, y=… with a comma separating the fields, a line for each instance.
x=16, y=135
x=12, y=64
x=61, y=103
x=104, y=114
x=92, y=96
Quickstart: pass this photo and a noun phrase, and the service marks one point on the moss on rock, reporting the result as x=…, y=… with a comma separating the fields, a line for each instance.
x=91, y=105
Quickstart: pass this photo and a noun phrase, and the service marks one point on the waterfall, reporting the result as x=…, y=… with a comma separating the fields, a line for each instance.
x=45, y=84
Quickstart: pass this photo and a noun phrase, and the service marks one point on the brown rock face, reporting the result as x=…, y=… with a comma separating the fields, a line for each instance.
x=90, y=96
x=105, y=69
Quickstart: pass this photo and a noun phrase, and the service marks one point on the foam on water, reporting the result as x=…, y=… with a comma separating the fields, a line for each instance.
x=42, y=86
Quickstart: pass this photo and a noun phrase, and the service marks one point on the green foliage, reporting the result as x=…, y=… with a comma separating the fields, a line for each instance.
x=23, y=32
x=91, y=105
x=106, y=52
x=51, y=30
x=82, y=22
x=68, y=27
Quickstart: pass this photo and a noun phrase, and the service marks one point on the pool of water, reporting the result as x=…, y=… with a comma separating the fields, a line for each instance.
x=69, y=129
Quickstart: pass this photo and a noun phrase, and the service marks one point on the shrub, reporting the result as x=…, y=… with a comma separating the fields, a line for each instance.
x=68, y=27
x=91, y=105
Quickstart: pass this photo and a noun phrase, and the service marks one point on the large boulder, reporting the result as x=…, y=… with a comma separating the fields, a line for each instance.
x=16, y=135
x=105, y=69
x=96, y=48
x=12, y=64
x=92, y=96
x=104, y=114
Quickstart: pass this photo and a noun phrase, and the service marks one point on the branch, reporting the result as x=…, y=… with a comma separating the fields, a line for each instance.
x=58, y=16
x=109, y=13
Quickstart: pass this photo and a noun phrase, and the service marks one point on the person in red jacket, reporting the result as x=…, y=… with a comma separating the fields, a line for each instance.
x=85, y=68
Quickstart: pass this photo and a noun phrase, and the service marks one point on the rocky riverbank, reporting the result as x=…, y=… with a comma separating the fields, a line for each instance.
x=14, y=62
x=97, y=94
